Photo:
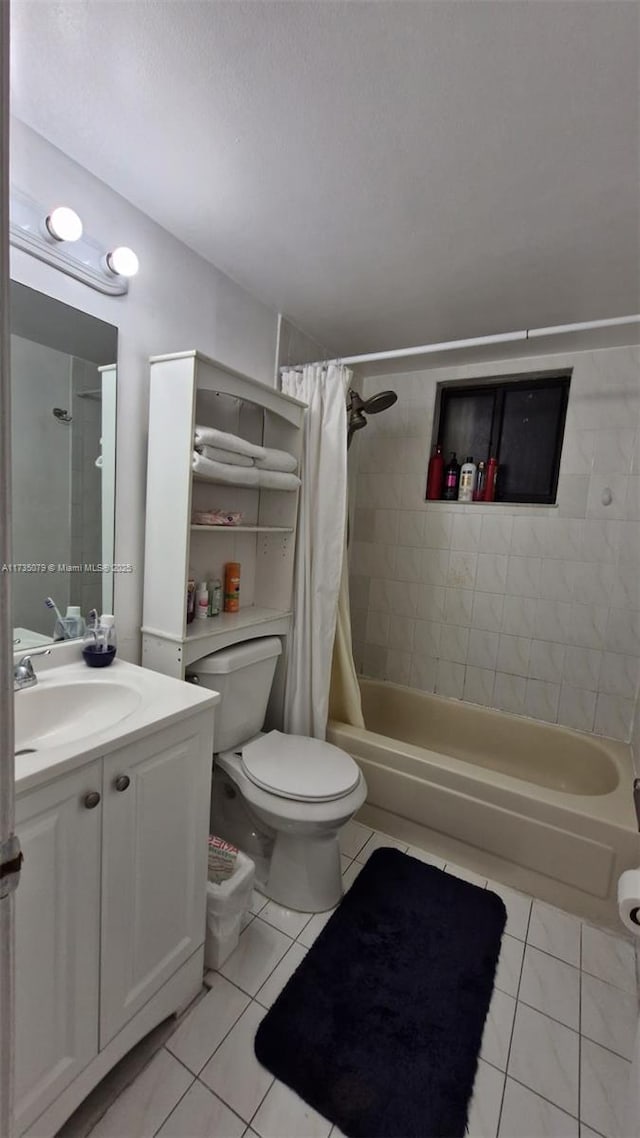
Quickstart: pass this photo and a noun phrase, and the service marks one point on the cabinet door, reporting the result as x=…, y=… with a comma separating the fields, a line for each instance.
x=156, y=820
x=57, y=938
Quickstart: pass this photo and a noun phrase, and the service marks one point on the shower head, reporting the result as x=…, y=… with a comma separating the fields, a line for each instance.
x=358, y=408
x=379, y=402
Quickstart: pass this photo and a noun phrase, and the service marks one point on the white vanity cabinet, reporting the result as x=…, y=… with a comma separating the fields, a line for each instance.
x=110, y=912
x=57, y=938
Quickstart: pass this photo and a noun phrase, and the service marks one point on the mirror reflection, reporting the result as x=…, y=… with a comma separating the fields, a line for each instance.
x=63, y=416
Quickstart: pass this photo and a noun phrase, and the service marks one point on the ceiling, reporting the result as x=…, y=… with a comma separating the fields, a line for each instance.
x=384, y=173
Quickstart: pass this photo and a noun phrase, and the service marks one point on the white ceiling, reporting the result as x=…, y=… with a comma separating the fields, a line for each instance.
x=384, y=173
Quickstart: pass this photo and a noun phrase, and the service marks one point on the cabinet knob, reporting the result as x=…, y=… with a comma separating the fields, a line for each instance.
x=122, y=782
x=91, y=799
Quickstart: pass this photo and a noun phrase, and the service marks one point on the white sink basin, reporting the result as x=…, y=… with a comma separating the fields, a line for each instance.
x=52, y=714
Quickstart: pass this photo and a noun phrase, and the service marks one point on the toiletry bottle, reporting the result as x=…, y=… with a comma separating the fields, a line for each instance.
x=215, y=596
x=481, y=482
x=202, y=601
x=435, y=475
x=191, y=597
x=232, y=586
x=492, y=474
x=467, y=479
x=451, y=479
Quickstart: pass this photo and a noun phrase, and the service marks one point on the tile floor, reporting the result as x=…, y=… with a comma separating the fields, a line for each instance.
x=555, y=1055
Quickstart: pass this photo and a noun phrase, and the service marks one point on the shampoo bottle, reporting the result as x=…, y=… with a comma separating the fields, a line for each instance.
x=202, y=601
x=467, y=480
x=451, y=479
x=435, y=475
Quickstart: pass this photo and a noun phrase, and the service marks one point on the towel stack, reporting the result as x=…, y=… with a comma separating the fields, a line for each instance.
x=222, y=457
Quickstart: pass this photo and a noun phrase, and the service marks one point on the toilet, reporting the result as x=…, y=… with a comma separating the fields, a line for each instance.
x=282, y=799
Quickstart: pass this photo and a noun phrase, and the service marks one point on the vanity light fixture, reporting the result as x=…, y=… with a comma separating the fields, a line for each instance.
x=56, y=237
x=123, y=262
x=63, y=224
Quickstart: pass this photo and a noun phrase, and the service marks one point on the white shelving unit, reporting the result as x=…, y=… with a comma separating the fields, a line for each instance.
x=188, y=388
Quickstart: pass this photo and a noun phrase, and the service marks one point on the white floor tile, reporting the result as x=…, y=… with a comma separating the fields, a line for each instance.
x=518, y=908
x=144, y=1106
x=465, y=874
x=246, y=919
x=203, y=1029
x=544, y=1056
x=497, y=1030
x=484, y=1108
x=379, y=841
x=202, y=1115
x=234, y=1072
x=314, y=928
x=509, y=964
x=261, y=947
x=289, y=921
x=604, y=1087
x=271, y=989
x=350, y=874
x=609, y=1016
x=555, y=932
x=551, y=986
x=284, y=1115
x=345, y=862
x=609, y=957
x=352, y=838
x=526, y=1115
x=257, y=902
x=429, y=858
x=587, y=1132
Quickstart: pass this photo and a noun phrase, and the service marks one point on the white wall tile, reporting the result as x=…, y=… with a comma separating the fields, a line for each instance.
x=408, y=563
x=491, y=572
x=546, y=661
x=478, y=685
x=411, y=525
x=401, y=630
x=450, y=679
x=588, y=626
x=431, y=602
x=556, y=579
x=386, y=527
x=509, y=693
x=576, y=708
x=377, y=630
x=454, y=642
x=607, y=497
x=623, y=632
x=552, y=621
x=542, y=700
x=572, y=495
x=487, y=612
x=613, y=717
x=619, y=675
x=519, y=616
x=462, y=569
x=437, y=530
x=423, y=672
x=435, y=566
x=426, y=638
x=513, y=655
x=483, y=649
x=465, y=532
x=495, y=536
x=582, y=667
x=458, y=606
x=398, y=667
x=613, y=451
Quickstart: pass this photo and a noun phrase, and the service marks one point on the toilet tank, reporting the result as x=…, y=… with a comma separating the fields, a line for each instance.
x=243, y=674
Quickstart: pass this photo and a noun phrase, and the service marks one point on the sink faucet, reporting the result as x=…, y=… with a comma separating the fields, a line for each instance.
x=23, y=673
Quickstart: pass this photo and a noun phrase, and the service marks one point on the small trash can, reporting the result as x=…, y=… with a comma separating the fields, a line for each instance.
x=226, y=904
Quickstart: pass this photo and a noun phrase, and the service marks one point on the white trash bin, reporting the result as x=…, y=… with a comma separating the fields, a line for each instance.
x=226, y=904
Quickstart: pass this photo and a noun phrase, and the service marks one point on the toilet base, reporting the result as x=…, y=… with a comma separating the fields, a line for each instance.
x=305, y=872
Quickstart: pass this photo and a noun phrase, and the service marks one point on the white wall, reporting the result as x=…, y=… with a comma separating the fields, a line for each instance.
x=41, y=477
x=532, y=610
x=177, y=301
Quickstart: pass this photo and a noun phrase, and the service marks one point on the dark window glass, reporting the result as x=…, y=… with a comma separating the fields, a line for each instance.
x=519, y=422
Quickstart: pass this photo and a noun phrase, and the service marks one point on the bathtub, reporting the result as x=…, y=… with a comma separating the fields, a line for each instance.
x=542, y=808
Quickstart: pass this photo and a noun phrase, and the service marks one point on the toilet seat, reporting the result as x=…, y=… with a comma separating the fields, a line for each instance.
x=299, y=768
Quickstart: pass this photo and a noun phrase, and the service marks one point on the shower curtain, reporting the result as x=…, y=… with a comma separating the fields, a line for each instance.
x=320, y=570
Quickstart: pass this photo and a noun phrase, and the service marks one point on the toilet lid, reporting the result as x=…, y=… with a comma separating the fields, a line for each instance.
x=293, y=766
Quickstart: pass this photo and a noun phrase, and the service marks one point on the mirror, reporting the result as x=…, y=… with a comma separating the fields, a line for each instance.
x=63, y=447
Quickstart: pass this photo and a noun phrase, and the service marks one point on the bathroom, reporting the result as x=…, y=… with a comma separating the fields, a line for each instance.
x=249, y=256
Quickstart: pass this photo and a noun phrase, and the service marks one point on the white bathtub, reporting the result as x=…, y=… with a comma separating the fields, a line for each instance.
x=543, y=808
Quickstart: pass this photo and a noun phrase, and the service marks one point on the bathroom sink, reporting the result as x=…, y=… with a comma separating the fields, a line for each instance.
x=50, y=715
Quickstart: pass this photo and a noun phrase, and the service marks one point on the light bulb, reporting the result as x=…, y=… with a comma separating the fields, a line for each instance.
x=64, y=224
x=123, y=262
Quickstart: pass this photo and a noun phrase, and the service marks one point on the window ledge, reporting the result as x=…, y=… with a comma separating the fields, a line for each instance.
x=492, y=507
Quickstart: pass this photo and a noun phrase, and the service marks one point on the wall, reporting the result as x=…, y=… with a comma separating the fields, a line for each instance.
x=177, y=301
x=531, y=610
x=41, y=475
x=86, y=486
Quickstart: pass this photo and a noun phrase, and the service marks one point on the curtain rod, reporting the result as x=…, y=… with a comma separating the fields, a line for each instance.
x=479, y=341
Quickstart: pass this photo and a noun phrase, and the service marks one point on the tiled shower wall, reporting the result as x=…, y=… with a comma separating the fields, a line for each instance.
x=532, y=610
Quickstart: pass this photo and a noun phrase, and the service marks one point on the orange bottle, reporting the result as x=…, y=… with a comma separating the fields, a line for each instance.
x=232, y=586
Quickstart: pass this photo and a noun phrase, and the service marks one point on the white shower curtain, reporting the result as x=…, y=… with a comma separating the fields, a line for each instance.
x=321, y=545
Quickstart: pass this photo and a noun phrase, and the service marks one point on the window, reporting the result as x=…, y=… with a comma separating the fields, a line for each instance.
x=518, y=421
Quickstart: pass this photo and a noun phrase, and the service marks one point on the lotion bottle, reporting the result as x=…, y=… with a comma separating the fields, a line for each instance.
x=467, y=480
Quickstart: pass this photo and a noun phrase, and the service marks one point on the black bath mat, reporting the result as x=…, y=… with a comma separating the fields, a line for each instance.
x=380, y=1027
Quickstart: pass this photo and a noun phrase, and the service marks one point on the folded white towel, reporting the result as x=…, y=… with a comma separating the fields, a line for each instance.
x=210, y=436
x=277, y=460
x=276, y=480
x=242, y=475
x=223, y=472
x=228, y=456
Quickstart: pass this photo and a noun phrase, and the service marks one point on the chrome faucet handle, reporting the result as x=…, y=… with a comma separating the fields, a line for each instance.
x=23, y=673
